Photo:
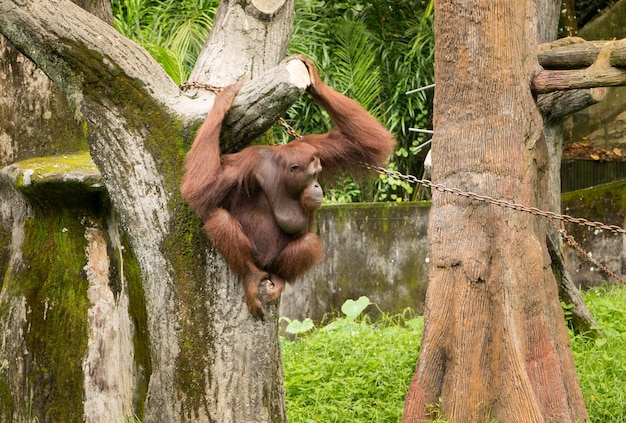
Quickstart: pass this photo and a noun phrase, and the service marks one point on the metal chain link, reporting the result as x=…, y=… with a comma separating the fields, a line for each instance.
x=193, y=84
x=289, y=129
x=587, y=256
x=455, y=191
x=502, y=203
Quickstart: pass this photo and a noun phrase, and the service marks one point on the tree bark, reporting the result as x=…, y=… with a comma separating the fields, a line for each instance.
x=231, y=52
x=494, y=343
x=211, y=361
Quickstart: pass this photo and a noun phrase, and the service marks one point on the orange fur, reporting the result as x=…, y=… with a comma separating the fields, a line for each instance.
x=258, y=204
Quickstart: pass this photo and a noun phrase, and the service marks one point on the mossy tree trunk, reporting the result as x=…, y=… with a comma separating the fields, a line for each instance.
x=209, y=359
x=494, y=345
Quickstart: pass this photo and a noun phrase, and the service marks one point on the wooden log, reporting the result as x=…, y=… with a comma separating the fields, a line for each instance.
x=575, y=53
x=559, y=104
x=601, y=73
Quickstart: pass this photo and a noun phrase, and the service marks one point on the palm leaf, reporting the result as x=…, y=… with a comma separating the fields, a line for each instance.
x=354, y=70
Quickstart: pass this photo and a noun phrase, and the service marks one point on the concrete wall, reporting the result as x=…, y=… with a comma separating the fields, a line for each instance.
x=378, y=250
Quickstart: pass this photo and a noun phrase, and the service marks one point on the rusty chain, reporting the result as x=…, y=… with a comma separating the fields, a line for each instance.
x=587, y=255
x=518, y=207
x=289, y=129
x=490, y=200
x=193, y=84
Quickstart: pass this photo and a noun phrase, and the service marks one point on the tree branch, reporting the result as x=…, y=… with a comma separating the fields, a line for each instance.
x=77, y=50
x=262, y=101
x=576, y=53
x=91, y=62
x=560, y=104
x=602, y=73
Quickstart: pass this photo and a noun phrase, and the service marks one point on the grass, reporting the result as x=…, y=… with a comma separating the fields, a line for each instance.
x=359, y=371
x=601, y=362
x=351, y=371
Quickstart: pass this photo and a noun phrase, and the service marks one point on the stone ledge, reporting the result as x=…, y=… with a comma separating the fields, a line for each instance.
x=67, y=179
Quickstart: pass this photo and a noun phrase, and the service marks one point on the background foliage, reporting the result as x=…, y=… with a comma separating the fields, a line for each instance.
x=372, y=51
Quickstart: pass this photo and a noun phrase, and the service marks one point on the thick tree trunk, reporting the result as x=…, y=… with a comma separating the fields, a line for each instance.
x=494, y=344
x=209, y=359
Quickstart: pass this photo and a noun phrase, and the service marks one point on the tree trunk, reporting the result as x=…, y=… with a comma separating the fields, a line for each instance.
x=209, y=359
x=494, y=343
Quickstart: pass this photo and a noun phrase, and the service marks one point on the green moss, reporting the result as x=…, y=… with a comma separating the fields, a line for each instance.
x=607, y=200
x=186, y=247
x=165, y=137
x=605, y=203
x=57, y=324
x=6, y=402
x=167, y=143
x=5, y=242
x=141, y=337
x=66, y=163
x=71, y=180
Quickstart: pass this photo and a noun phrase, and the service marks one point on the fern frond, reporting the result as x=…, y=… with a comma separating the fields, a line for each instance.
x=354, y=69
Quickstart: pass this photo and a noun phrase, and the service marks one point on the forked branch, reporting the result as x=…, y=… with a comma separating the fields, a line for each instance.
x=606, y=61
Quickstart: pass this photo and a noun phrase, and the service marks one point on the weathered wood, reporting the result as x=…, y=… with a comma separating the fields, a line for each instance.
x=210, y=360
x=577, y=54
x=494, y=345
x=555, y=80
x=554, y=106
x=560, y=104
x=582, y=319
x=601, y=73
x=262, y=101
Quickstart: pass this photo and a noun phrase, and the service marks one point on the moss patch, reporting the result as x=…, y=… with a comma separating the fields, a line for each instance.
x=71, y=180
x=186, y=248
x=57, y=325
x=6, y=402
x=605, y=203
x=141, y=337
x=5, y=242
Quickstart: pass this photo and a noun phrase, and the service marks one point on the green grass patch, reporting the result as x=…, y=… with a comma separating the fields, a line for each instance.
x=601, y=362
x=351, y=370
x=354, y=370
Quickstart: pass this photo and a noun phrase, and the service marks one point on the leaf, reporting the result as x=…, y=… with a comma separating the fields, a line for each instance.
x=617, y=152
x=594, y=156
x=353, y=308
x=296, y=327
